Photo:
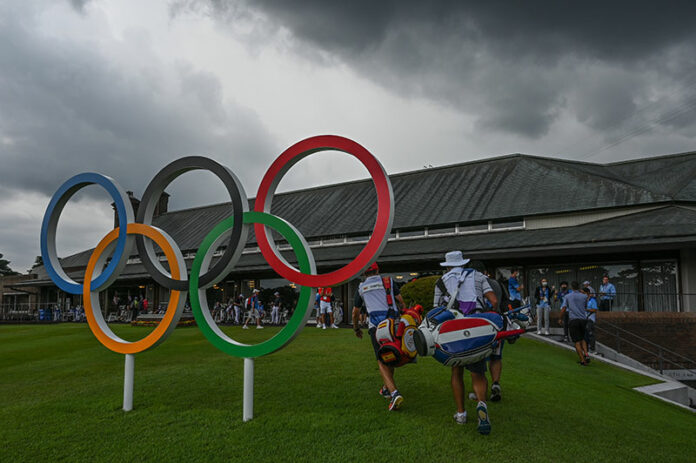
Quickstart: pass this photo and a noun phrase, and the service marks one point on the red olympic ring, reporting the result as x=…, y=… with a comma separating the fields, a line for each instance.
x=383, y=224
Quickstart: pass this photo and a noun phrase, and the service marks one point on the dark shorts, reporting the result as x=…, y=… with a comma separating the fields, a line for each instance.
x=576, y=328
x=375, y=344
x=478, y=367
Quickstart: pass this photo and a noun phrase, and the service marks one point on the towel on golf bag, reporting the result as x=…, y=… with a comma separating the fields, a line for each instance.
x=397, y=346
x=459, y=340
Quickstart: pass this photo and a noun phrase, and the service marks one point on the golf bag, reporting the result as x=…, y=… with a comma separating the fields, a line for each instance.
x=395, y=336
x=457, y=340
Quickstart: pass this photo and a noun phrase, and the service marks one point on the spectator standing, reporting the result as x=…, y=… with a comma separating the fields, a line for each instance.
x=238, y=305
x=575, y=304
x=146, y=304
x=326, y=297
x=586, y=284
x=591, y=320
x=275, y=311
x=543, y=295
x=560, y=296
x=607, y=294
x=515, y=288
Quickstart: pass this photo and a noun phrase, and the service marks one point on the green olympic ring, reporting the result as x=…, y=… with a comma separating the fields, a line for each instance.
x=199, y=303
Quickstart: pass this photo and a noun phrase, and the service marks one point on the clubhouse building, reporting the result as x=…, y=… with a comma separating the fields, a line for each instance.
x=634, y=221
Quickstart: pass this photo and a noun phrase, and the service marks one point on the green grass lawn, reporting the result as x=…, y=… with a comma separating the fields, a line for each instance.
x=316, y=400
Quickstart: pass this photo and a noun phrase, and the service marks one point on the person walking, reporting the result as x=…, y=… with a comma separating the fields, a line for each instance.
x=575, y=304
x=253, y=304
x=607, y=294
x=382, y=300
x=543, y=295
x=469, y=288
x=326, y=297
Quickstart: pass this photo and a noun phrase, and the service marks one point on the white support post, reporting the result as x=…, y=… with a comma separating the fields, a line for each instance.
x=248, y=408
x=128, y=383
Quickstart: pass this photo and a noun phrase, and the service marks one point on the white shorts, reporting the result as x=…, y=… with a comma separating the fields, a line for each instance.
x=325, y=307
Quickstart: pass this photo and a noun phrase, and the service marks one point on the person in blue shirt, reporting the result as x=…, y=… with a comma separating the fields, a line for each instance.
x=560, y=296
x=591, y=320
x=607, y=293
x=575, y=303
x=255, y=310
x=514, y=288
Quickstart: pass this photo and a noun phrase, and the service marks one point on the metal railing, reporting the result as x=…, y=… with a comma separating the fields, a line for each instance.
x=659, y=354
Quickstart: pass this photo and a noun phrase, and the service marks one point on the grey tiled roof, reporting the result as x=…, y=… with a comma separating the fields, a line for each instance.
x=494, y=189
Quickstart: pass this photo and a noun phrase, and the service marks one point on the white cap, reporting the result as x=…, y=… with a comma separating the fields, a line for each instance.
x=454, y=259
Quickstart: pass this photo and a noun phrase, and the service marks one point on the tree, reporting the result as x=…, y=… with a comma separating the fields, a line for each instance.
x=38, y=262
x=5, y=269
x=419, y=291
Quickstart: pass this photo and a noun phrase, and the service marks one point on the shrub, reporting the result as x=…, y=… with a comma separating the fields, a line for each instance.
x=419, y=291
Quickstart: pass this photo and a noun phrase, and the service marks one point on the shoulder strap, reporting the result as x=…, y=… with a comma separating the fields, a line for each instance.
x=387, y=283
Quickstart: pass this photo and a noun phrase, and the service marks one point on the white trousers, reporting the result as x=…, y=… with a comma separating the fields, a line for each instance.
x=275, y=315
x=543, y=312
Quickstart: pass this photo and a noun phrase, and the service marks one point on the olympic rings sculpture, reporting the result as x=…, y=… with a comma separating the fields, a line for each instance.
x=232, y=232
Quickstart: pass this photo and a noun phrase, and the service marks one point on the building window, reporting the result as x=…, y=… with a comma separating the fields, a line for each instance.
x=411, y=233
x=511, y=224
x=441, y=230
x=660, y=288
x=340, y=239
x=358, y=239
x=472, y=228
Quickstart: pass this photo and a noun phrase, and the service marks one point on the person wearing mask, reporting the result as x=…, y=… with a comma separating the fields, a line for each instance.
x=470, y=288
x=607, y=294
x=586, y=284
x=560, y=296
x=515, y=288
x=543, y=295
x=575, y=304
x=591, y=320
x=382, y=300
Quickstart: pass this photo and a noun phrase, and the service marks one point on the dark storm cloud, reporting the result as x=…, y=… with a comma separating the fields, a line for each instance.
x=515, y=65
x=66, y=108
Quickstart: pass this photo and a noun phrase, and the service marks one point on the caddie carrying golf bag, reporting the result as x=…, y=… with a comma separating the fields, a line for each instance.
x=395, y=336
x=457, y=340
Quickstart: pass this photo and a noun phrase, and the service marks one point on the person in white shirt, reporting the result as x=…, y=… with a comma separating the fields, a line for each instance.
x=469, y=287
x=382, y=300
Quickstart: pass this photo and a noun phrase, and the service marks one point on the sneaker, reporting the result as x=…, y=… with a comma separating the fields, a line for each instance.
x=384, y=392
x=472, y=396
x=319, y=325
x=484, y=425
x=245, y=327
x=334, y=326
x=460, y=418
x=546, y=333
x=495, y=392
x=259, y=327
x=396, y=401
x=323, y=327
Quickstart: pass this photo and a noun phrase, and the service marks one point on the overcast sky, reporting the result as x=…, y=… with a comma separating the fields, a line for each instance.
x=124, y=87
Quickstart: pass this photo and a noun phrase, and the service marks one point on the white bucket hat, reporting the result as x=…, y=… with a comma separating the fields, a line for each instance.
x=454, y=259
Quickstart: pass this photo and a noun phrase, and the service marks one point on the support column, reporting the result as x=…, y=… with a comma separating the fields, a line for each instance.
x=687, y=271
